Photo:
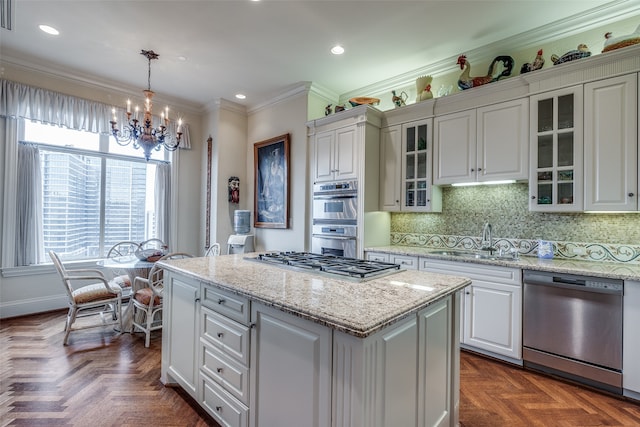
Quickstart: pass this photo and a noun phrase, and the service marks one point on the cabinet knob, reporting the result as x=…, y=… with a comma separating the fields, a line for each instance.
x=218, y=408
x=220, y=334
x=473, y=170
x=479, y=169
x=221, y=301
x=468, y=293
x=198, y=299
x=631, y=194
x=219, y=370
x=533, y=197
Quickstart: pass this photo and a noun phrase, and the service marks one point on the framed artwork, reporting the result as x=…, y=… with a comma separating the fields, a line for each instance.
x=271, y=191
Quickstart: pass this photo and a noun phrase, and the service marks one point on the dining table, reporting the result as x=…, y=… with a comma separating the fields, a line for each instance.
x=133, y=267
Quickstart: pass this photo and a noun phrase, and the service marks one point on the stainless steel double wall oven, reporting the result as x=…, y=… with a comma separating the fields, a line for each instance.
x=335, y=214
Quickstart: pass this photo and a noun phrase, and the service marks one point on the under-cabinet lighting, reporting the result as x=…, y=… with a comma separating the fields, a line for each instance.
x=469, y=184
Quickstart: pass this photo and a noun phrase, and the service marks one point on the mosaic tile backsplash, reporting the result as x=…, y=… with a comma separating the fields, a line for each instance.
x=593, y=237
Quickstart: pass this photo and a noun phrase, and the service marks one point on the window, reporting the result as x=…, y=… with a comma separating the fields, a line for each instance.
x=92, y=198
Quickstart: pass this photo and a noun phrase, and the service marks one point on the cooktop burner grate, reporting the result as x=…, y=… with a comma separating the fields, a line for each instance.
x=330, y=263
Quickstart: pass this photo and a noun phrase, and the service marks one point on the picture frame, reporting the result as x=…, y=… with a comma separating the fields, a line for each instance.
x=271, y=190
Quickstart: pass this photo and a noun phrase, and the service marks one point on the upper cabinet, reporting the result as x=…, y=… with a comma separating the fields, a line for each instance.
x=336, y=154
x=484, y=144
x=555, y=182
x=406, y=159
x=611, y=144
x=417, y=157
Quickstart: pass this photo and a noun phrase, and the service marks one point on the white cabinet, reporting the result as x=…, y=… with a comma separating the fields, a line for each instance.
x=390, y=168
x=407, y=262
x=556, y=180
x=611, y=144
x=418, y=193
x=290, y=370
x=631, y=347
x=336, y=154
x=377, y=256
x=492, y=317
x=180, y=332
x=223, y=361
x=484, y=144
x=402, y=375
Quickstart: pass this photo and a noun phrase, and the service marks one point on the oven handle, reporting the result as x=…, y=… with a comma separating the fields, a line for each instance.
x=330, y=236
x=333, y=197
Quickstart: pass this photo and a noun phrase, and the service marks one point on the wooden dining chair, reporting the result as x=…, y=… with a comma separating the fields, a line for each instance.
x=214, y=250
x=147, y=299
x=101, y=298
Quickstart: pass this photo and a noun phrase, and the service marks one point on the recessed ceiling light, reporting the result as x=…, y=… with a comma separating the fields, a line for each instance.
x=240, y=96
x=49, y=30
x=182, y=58
x=337, y=50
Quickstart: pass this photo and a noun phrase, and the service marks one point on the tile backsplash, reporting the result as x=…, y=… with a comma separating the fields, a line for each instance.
x=585, y=236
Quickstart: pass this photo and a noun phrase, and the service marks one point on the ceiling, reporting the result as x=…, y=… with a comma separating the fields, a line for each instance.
x=262, y=48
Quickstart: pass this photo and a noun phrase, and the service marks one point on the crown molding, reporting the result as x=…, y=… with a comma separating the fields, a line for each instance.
x=603, y=15
x=288, y=93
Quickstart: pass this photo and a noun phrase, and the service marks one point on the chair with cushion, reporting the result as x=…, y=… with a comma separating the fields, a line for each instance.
x=214, y=250
x=123, y=249
x=147, y=299
x=101, y=298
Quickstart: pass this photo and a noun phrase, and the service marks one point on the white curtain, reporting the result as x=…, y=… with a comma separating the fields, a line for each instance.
x=162, y=194
x=29, y=239
x=22, y=101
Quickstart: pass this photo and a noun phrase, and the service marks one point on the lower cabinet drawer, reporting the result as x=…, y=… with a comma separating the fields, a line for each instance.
x=230, y=337
x=230, y=374
x=223, y=407
x=406, y=262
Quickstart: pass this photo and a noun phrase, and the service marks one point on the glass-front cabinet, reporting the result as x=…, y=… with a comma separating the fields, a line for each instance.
x=417, y=176
x=556, y=182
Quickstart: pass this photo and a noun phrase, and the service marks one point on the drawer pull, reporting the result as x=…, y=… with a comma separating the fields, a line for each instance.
x=221, y=301
x=220, y=334
x=218, y=408
x=219, y=370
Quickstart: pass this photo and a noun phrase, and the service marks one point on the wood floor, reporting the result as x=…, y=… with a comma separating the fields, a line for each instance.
x=105, y=379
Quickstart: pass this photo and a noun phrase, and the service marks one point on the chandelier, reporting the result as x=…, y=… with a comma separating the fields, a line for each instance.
x=142, y=133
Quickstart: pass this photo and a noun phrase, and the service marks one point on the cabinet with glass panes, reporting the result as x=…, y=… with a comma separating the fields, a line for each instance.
x=556, y=144
x=418, y=193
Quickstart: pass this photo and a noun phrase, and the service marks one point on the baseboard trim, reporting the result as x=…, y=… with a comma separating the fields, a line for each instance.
x=32, y=306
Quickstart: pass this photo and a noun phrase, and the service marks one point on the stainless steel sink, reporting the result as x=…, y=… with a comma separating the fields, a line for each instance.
x=472, y=254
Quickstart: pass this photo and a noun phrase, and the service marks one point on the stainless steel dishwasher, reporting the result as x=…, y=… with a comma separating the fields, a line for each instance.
x=572, y=327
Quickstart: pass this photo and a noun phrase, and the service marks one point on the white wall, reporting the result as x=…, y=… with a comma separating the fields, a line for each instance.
x=288, y=115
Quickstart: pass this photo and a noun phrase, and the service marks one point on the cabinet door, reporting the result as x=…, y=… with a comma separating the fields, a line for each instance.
x=417, y=160
x=437, y=351
x=455, y=148
x=492, y=314
x=180, y=332
x=390, y=168
x=555, y=181
x=631, y=347
x=346, y=153
x=611, y=144
x=323, y=151
x=503, y=141
x=290, y=370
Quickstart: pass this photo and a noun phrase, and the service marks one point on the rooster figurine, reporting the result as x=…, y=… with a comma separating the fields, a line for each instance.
x=535, y=65
x=466, y=82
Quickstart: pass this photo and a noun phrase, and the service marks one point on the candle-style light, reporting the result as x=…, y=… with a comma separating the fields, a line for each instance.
x=143, y=134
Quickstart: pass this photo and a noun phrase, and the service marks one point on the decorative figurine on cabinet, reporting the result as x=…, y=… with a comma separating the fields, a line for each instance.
x=399, y=100
x=612, y=43
x=423, y=88
x=537, y=63
x=493, y=75
x=572, y=55
x=327, y=110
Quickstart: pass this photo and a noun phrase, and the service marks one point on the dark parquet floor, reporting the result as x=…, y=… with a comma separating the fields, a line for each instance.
x=105, y=379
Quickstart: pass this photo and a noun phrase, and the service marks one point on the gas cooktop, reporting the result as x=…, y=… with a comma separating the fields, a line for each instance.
x=351, y=267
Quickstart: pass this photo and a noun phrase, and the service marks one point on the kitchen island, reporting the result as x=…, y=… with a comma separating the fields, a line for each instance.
x=257, y=344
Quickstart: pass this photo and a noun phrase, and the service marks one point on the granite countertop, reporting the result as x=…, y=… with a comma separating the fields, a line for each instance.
x=359, y=308
x=614, y=270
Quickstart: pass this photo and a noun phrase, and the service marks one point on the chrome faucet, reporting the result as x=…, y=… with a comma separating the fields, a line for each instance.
x=487, y=239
